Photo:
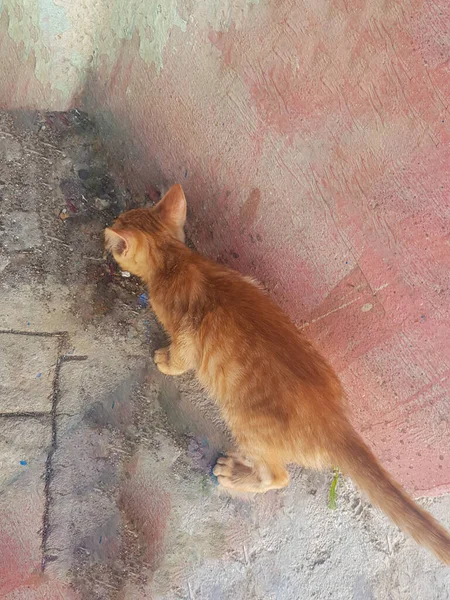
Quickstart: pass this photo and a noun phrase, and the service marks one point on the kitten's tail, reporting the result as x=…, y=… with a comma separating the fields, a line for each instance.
x=356, y=460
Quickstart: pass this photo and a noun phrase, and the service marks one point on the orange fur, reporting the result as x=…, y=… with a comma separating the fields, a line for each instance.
x=282, y=401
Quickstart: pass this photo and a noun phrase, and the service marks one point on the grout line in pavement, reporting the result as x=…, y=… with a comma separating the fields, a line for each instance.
x=49, y=462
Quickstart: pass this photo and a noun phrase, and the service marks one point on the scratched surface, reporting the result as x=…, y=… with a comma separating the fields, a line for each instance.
x=313, y=142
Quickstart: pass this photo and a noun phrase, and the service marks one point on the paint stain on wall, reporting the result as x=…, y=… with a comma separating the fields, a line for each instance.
x=249, y=210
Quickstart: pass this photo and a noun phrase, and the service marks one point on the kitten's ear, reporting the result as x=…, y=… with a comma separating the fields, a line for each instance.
x=172, y=210
x=117, y=242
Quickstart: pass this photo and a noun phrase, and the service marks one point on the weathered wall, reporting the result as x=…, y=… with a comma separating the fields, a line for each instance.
x=46, y=47
x=312, y=139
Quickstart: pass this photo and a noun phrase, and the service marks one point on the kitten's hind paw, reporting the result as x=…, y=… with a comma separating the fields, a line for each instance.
x=238, y=473
x=213, y=477
x=233, y=472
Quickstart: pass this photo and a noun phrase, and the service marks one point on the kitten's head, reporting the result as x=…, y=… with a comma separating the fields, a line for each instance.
x=137, y=233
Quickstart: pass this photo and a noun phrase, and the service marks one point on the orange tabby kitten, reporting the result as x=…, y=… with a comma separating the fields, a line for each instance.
x=283, y=402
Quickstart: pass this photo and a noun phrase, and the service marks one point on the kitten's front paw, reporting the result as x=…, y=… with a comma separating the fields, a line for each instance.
x=162, y=355
x=161, y=358
x=164, y=363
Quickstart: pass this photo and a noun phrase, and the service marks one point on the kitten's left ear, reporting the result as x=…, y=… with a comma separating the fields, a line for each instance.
x=172, y=210
x=117, y=242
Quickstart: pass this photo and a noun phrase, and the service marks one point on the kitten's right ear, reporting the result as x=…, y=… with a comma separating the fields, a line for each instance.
x=117, y=242
x=172, y=210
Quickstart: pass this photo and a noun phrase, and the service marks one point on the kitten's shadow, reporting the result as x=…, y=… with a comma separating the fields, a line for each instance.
x=194, y=420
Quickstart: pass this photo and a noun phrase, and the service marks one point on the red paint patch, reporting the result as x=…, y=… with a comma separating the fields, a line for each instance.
x=20, y=541
x=225, y=43
x=45, y=589
x=147, y=508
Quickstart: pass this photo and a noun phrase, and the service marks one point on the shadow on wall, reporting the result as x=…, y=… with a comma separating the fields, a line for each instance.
x=148, y=181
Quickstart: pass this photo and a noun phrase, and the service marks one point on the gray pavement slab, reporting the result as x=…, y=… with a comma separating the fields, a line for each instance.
x=21, y=231
x=27, y=372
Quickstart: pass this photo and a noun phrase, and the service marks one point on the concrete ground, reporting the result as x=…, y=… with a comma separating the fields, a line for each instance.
x=105, y=490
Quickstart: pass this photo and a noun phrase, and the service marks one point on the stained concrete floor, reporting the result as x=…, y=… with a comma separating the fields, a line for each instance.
x=105, y=490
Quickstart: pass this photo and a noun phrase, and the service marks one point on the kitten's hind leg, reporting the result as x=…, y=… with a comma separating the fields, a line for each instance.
x=244, y=475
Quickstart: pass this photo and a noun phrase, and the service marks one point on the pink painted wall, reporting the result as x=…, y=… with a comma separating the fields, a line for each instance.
x=313, y=141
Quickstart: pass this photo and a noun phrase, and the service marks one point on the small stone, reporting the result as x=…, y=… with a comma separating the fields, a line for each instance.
x=125, y=273
x=143, y=301
x=63, y=214
x=4, y=262
x=102, y=203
